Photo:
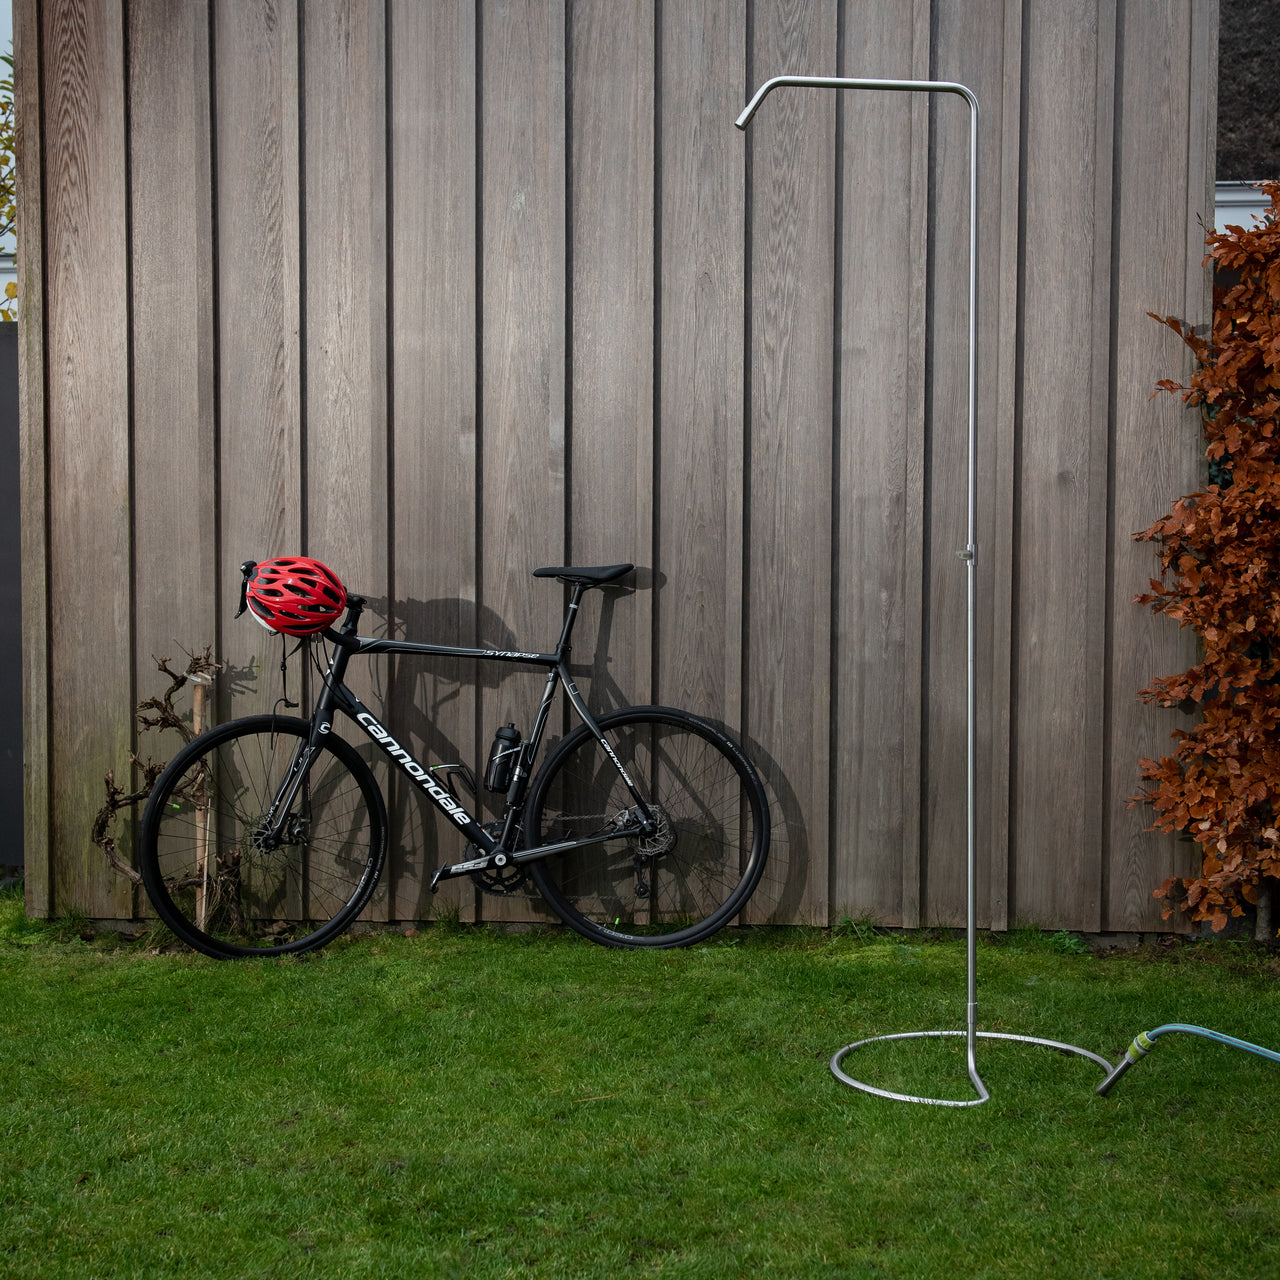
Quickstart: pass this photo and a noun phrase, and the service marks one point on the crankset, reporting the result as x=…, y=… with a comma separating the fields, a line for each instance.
x=505, y=880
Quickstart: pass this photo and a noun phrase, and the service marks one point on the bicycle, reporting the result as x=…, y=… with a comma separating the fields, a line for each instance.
x=644, y=827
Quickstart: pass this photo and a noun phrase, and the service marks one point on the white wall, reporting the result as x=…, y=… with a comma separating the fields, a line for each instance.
x=1237, y=204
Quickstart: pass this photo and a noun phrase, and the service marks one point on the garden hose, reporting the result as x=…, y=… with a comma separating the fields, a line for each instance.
x=1144, y=1042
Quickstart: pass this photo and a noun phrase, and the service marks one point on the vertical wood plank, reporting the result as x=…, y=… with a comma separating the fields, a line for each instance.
x=1060, y=572
x=1202, y=137
x=876, y=859
x=1158, y=446
x=32, y=434
x=432, y=213
x=611, y=229
x=88, y=442
x=1001, y=401
x=523, y=327
x=791, y=429
x=344, y=143
x=346, y=523
x=957, y=39
x=701, y=373
x=259, y=367
x=699, y=585
x=982, y=49
x=1090, y=857
x=174, y=531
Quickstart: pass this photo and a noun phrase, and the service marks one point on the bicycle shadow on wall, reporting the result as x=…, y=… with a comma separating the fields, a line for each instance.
x=602, y=692
x=779, y=897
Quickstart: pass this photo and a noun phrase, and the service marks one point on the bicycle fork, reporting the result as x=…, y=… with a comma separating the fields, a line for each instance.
x=271, y=832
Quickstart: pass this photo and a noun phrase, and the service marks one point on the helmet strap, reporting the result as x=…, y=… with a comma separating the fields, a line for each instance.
x=285, y=655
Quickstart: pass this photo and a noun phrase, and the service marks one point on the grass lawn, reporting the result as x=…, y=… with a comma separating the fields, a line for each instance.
x=465, y=1103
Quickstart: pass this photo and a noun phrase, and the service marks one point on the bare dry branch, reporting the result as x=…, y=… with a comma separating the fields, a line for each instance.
x=151, y=713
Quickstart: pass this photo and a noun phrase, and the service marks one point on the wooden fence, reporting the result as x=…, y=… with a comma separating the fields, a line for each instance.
x=440, y=292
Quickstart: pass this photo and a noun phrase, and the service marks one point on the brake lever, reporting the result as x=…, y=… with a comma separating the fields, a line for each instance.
x=246, y=572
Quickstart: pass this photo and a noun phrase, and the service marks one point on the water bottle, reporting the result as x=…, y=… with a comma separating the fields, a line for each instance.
x=502, y=758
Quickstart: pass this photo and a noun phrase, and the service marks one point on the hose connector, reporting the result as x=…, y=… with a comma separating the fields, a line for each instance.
x=1141, y=1046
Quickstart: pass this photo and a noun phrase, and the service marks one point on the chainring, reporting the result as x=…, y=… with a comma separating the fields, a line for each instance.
x=503, y=881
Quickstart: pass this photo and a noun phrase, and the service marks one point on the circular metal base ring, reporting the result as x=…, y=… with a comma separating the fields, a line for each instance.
x=983, y=1095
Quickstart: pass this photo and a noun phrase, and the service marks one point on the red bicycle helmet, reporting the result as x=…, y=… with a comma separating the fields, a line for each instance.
x=295, y=594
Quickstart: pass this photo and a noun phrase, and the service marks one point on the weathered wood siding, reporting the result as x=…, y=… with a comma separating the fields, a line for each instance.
x=439, y=292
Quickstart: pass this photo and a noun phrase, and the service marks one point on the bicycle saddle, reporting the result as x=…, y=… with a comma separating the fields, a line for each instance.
x=596, y=577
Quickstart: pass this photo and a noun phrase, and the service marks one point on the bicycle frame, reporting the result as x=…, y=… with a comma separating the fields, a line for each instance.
x=496, y=851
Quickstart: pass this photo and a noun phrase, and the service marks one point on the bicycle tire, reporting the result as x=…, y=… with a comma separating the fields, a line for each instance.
x=204, y=868
x=696, y=873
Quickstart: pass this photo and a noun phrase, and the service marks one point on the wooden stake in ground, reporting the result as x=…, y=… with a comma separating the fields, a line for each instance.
x=201, y=684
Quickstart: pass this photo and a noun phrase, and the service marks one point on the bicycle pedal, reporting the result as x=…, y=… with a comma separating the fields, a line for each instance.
x=434, y=886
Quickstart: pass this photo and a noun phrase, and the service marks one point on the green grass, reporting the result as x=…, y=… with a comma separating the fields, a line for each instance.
x=471, y=1104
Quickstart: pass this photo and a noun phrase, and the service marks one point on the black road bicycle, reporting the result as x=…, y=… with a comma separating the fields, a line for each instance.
x=644, y=827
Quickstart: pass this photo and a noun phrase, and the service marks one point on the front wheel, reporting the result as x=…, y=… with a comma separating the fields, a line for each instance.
x=245, y=854
x=705, y=847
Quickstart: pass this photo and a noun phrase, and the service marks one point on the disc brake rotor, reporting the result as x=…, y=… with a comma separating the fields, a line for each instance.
x=662, y=839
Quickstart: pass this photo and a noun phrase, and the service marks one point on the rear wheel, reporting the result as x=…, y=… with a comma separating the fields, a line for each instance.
x=696, y=866
x=233, y=878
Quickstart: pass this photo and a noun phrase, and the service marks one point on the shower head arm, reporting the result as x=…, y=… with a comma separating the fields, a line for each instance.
x=840, y=82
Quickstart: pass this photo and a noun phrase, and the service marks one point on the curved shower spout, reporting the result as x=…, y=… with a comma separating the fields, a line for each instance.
x=841, y=82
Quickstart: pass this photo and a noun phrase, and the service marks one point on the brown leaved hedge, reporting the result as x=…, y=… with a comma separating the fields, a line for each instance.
x=1220, y=567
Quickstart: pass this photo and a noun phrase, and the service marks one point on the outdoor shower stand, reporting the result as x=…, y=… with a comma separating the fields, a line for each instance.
x=969, y=555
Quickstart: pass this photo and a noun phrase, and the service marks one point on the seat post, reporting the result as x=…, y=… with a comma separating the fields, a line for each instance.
x=570, y=617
